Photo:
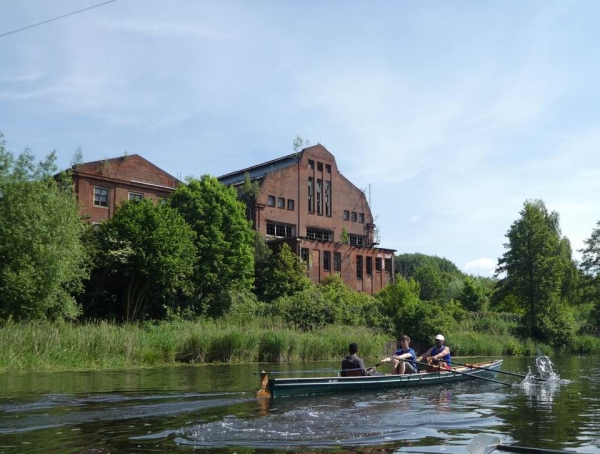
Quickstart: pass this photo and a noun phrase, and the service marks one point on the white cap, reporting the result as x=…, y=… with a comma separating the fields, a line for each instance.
x=439, y=337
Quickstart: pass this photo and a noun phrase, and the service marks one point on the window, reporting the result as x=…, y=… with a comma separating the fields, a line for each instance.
x=359, y=266
x=101, y=197
x=346, y=216
x=328, y=168
x=281, y=230
x=271, y=201
x=291, y=204
x=356, y=240
x=328, y=198
x=327, y=260
x=361, y=218
x=337, y=262
x=163, y=200
x=320, y=166
x=369, y=266
x=320, y=197
x=311, y=164
x=280, y=202
x=378, y=264
x=388, y=266
x=136, y=196
x=304, y=254
x=319, y=235
x=311, y=183
x=353, y=216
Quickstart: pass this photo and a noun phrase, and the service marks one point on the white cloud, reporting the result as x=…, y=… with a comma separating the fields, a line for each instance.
x=415, y=218
x=483, y=266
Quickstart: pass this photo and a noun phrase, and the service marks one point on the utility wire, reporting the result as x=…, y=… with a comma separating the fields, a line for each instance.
x=55, y=18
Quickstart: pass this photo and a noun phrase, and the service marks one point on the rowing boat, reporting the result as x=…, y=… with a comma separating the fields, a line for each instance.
x=278, y=387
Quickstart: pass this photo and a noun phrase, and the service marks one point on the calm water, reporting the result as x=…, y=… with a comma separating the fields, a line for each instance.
x=212, y=409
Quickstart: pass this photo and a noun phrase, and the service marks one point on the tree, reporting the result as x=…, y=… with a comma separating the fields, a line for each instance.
x=299, y=143
x=532, y=272
x=146, y=258
x=590, y=265
x=430, y=282
x=283, y=275
x=42, y=259
x=224, y=240
x=248, y=193
x=472, y=297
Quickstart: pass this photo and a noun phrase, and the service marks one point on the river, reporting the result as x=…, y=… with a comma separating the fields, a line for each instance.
x=211, y=408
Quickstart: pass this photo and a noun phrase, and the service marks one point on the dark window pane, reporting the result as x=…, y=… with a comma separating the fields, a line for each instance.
x=359, y=266
x=326, y=260
x=290, y=204
x=271, y=201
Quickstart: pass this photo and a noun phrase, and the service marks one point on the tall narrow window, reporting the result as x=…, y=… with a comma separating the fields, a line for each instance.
x=328, y=198
x=311, y=164
x=319, y=166
x=337, y=262
x=101, y=197
x=311, y=183
x=328, y=168
x=359, y=266
x=361, y=218
x=369, y=266
x=271, y=201
x=327, y=260
x=353, y=219
x=280, y=202
x=304, y=254
x=320, y=197
x=291, y=204
x=378, y=264
x=388, y=266
x=346, y=216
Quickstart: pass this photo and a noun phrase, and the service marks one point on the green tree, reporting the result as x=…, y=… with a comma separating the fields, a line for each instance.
x=42, y=258
x=344, y=237
x=147, y=253
x=283, y=275
x=224, y=240
x=248, y=193
x=590, y=265
x=472, y=297
x=532, y=271
x=430, y=282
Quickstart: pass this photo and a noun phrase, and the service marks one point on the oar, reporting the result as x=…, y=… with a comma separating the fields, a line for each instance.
x=463, y=373
x=484, y=444
x=471, y=366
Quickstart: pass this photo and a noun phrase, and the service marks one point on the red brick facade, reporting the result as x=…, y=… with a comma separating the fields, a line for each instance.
x=306, y=202
x=102, y=185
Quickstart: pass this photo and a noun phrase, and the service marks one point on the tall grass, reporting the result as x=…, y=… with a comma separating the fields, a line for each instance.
x=106, y=345
x=62, y=345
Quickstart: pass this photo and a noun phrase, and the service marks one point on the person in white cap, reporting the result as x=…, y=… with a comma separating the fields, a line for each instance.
x=438, y=357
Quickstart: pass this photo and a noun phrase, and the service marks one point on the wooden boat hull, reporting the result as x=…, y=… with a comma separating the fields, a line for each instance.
x=278, y=387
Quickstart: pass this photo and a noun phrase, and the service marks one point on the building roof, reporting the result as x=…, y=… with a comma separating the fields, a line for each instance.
x=260, y=170
x=125, y=168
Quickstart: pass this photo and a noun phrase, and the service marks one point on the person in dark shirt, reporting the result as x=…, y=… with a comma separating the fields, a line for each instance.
x=403, y=361
x=353, y=366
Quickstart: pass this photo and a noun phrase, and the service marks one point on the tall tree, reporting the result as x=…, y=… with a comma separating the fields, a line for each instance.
x=531, y=272
x=224, y=239
x=145, y=261
x=590, y=264
x=284, y=275
x=42, y=259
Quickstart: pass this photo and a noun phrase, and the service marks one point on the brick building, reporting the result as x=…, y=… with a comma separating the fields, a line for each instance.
x=306, y=202
x=102, y=185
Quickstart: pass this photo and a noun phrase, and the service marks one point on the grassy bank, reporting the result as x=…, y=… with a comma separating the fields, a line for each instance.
x=46, y=346
x=105, y=345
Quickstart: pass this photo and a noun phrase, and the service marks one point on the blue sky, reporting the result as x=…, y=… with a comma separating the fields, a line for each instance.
x=454, y=113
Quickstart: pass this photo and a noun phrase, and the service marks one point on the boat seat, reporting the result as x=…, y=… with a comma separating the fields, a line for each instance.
x=352, y=373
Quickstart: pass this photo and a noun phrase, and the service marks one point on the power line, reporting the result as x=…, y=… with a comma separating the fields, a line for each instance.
x=56, y=18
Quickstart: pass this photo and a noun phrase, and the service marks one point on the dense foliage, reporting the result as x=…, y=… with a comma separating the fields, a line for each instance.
x=42, y=259
x=224, y=241
x=143, y=263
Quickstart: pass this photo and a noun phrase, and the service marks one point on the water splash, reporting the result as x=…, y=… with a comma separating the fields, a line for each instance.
x=544, y=367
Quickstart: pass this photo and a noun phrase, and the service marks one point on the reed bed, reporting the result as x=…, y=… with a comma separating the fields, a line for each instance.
x=103, y=345
x=107, y=345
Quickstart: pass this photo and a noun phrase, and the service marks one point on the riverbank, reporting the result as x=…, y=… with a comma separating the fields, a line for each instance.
x=63, y=346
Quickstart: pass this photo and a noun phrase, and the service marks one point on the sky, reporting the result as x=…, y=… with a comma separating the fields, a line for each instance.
x=452, y=113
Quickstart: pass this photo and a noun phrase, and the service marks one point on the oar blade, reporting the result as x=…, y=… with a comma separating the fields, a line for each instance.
x=483, y=444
